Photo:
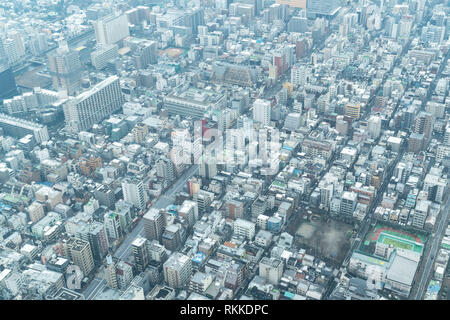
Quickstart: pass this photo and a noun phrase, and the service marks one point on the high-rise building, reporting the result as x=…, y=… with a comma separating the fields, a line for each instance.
x=156, y=251
x=8, y=87
x=271, y=269
x=13, y=51
x=111, y=28
x=405, y=25
x=177, y=270
x=95, y=234
x=65, y=69
x=416, y=142
x=203, y=199
x=124, y=274
x=374, y=127
x=241, y=9
x=79, y=251
x=234, y=209
x=433, y=34
x=140, y=253
x=189, y=211
x=105, y=196
x=194, y=17
x=139, y=133
x=153, y=224
x=172, y=237
x=256, y=4
x=165, y=169
x=292, y=121
x=341, y=125
x=134, y=193
x=348, y=203
x=104, y=54
x=36, y=211
x=38, y=43
x=261, y=111
x=244, y=228
x=200, y=282
x=112, y=225
x=16, y=36
x=110, y=273
x=143, y=51
x=447, y=135
x=420, y=213
x=326, y=193
x=353, y=111
x=280, y=61
x=298, y=24
x=3, y=57
x=92, y=106
x=300, y=75
x=137, y=15
x=208, y=168
x=423, y=124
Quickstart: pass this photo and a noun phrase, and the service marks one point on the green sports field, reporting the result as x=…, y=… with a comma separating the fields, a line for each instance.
x=400, y=242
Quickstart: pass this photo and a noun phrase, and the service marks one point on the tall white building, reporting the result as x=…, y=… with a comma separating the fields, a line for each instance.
x=189, y=211
x=103, y=54
x=92, y=106
x=65, y=68
x=165, y=169
x=153, y=224
x=435, y=185
x=244, y=228
x=124, y=274
x=111, y=29
x=14, y=49
x=447, y=135
x=442, y=151
x=348, y=203
x=38, y=43
x=292, y=121
x=326, y=194
x=177, y=270
x=421, y=212
x=261, y=111
x=271, y=270
x=18, y=41
x=112, y=225
x=374, y=127
x=133, y=192
x=300, y=75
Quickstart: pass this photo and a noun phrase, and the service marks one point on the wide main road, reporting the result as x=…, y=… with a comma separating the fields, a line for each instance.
x=165, y=199
x=428, y=262
x=124, y=250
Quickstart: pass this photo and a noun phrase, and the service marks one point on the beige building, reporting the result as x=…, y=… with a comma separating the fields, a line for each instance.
x=36, y=211
x=177, y=270
x=79, y=251
x=110, y=273
x=353, y=111
x=49, y=196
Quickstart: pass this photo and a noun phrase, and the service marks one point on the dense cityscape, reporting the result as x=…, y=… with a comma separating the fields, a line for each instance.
x=224, y=149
